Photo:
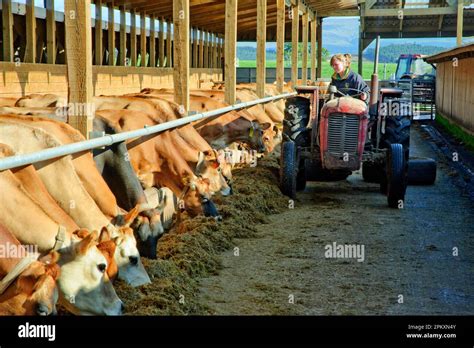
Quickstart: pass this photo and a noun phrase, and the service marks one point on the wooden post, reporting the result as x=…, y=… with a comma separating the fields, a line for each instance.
x=168, y=45
x=123, y=37
x=215, y=64
x=181, y=52
x=280, y=66
x=50, y=32
x=142, y=39
x=206, y=49
x=314, y=28
x=294, y=43
x=78, y=42
x=230, y=49
x=30, y=54
x=320, y=48
x=195, y=48
x=361, y=38
x=133, y=38
x=98, y=33
x=111, y=34
x=459, y=26
x=7, y=27
x=304, y=65
x=261, y=40
x=162, y=42
x=152, y=42
x=211, y=53
x=201, y=49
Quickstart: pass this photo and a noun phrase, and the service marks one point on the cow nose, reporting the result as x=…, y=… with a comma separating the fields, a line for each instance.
x=133, y=260
x=42, y=309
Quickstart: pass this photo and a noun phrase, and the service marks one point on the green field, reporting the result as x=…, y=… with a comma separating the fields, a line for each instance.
x=368, y=68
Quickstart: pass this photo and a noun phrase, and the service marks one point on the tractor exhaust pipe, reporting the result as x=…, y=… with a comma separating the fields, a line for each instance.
x=374, y=82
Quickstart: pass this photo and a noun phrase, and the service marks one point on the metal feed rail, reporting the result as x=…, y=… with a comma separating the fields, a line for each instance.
x=107, y=140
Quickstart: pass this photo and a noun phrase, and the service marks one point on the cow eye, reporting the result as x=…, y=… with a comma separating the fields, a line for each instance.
x=102, y=267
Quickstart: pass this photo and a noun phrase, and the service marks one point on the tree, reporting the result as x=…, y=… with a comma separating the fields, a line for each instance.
x=288, y=49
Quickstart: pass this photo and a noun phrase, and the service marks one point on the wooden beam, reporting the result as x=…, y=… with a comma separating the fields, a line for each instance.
x=142, y=39
x=98, y=33
x=133, y=38
x=230, y=50
x=261, y=41
x=319, y=39
x=168, y=45
x=206, y=50
x=111, y=34
x=123, y=37
x=313, y=29
x=394, y=12
x=181, y=52
x=219, y=51
x=7, y=27
x=459, y=22
x=152, y=42
x=162, y=42
x=280, y=64
x=361, y=38
x=30, y=53
x=201, y=49
x=195, y=48
x=50, y=32
x=304, y=65
x=78, y=42
x=294, y=43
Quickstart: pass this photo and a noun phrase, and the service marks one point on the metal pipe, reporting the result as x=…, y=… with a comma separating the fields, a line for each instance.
x=63, y=150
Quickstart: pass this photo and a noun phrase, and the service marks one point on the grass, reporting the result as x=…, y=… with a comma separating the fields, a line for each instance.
x=457, y=132
x=368, y=68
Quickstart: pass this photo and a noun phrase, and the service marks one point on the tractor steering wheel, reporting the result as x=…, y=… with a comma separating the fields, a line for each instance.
x=351, y=89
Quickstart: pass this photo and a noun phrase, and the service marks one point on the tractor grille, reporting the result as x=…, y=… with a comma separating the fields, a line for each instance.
x=343, y=133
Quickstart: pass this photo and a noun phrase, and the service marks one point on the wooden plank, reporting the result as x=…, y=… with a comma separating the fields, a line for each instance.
x=111, y=34
x=294, y=43
x=261, y=40
x=280, y=65
x=168, y=45
x=361, y=36
x=162, y=42
x=459, y=22
x=181, y=53
x=50, y=32
x=7, y=27
x=313, y=28
x=143, y=39
x=30, y=52
x=123, y=37
x=206, y=49
x=201, y=49
x=152, y=42
x=98, y=33
x=319, y=39
x=133, y=38
x=78, y=42
x=304, y=65
x=230, y=50
x=195, y=48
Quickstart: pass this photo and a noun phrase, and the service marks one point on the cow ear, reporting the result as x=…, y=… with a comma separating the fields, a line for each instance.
x=84, y=245
x=50, y=258
x=82, y=233
x=104, y=235
x=132, y=215
x=265, y=125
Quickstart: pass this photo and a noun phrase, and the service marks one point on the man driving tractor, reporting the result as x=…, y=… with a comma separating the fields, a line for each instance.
x=346, y=80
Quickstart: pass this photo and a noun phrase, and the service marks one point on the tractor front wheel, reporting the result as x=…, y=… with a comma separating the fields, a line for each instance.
x=396, y=179
x=288, y=169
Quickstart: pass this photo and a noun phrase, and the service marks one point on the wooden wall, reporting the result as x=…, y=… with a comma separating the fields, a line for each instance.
x=455, y=92
x=26, y=78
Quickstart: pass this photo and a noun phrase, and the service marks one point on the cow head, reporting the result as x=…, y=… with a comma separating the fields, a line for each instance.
x=225, y=165
x=261, y=136
x=208, y=167
x=38, y=284
x=84, y=285
x=197, y=199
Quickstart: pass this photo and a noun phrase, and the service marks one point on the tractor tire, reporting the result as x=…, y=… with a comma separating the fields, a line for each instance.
x=297, y=113
x=397, y=171
x=288, y=169
x=301, y=176
x=397, y=131
x=421, y=171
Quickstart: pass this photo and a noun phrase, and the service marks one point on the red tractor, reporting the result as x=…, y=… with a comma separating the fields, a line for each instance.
x=328, y=137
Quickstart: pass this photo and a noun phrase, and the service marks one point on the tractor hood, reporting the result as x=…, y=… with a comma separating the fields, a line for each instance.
x=344, y=105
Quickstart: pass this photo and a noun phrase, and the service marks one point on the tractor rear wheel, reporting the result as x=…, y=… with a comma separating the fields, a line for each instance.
x=297, y=113
x=288, y=169
x=397, y=170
